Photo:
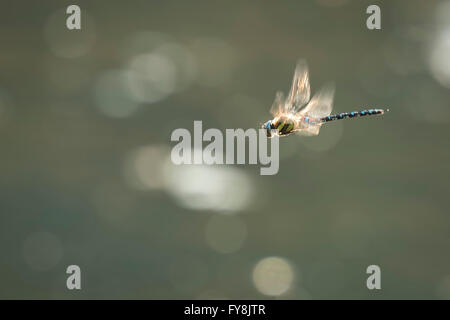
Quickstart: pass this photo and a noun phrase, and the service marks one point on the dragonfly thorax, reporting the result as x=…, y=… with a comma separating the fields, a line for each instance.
x=283, y=124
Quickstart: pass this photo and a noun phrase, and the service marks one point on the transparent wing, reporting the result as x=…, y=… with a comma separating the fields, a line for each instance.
x=304, y=128
x=311, y=130
x=300, y=91
x=278, y=104
x=320, y=105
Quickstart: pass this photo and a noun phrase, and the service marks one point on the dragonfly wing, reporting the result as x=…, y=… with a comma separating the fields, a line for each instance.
x=300, y=91
x=278, y=104
x=320, y=105
x=311, y=130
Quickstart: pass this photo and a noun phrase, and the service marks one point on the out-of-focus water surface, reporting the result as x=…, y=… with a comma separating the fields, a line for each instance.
x=86, y=177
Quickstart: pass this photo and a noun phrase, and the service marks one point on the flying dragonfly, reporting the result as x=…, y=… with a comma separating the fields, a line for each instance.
x=298, y=113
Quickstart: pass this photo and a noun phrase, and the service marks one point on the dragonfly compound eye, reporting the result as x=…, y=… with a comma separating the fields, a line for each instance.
x=267, y=126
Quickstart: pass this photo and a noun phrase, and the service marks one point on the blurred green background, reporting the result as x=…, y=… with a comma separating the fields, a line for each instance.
x=85, y=124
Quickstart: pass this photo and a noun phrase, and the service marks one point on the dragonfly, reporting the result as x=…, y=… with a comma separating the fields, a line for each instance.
x=299, y=113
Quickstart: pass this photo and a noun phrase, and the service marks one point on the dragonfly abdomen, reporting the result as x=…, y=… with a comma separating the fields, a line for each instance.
x=352, y=114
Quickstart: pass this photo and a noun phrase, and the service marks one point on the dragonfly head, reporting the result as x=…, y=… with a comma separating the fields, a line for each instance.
x=268, y=126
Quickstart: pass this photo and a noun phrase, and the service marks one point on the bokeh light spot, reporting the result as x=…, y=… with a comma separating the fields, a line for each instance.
x=273, y=276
